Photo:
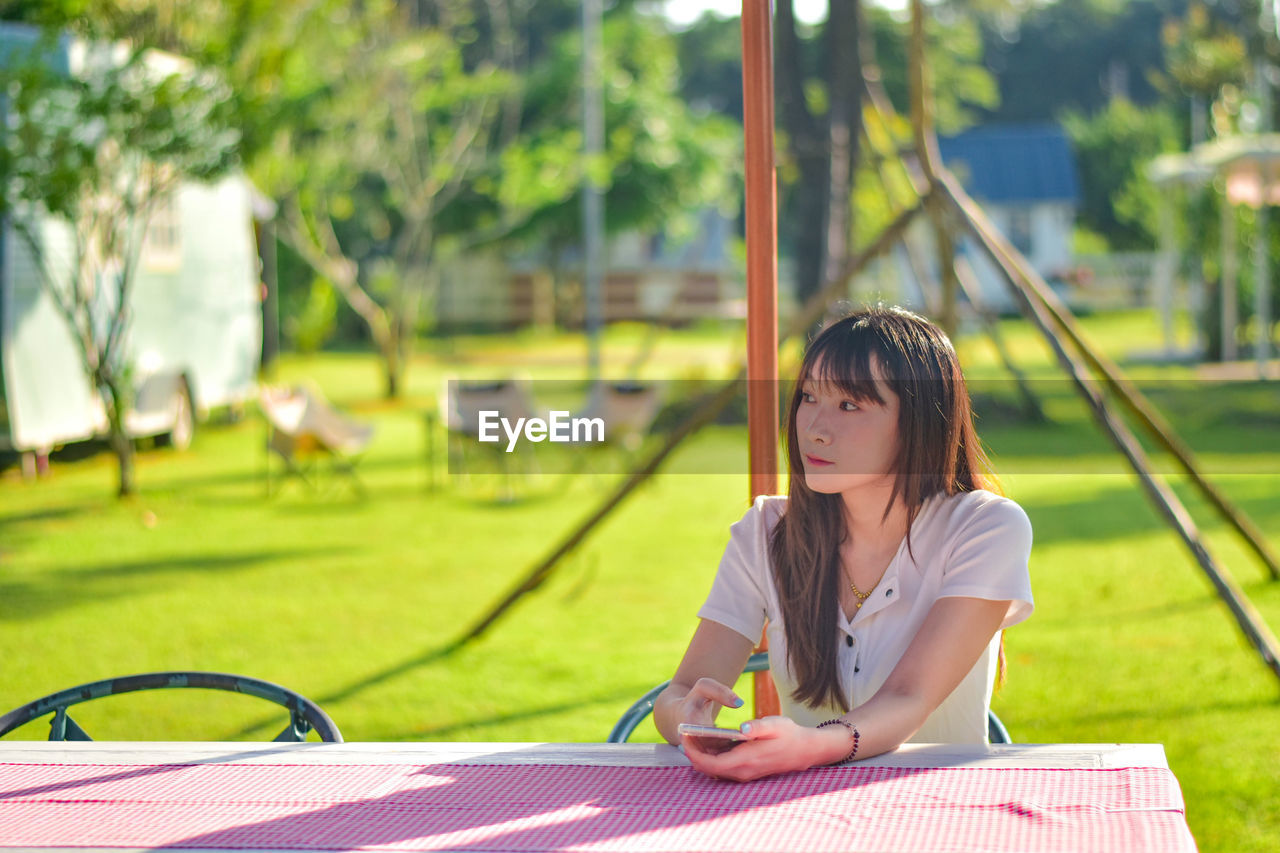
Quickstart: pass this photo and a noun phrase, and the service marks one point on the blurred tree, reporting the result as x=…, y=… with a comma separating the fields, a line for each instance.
x=663, y=162
x=964, y=89
x=1206, y=61
x=1074, y=54
x=389, y=124
x=710, y=54
x=819, y=106
x=1113, y=148
x=395, y=134
x=96, y=153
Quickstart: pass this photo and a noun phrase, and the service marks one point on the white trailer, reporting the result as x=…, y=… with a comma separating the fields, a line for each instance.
x=195, y=330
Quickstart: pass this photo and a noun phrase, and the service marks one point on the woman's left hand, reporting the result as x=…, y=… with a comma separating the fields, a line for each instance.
x=775, y=745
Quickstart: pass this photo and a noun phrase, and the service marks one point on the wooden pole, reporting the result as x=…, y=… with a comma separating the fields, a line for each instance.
x=1044, y=310
x=1024, y=283
x=927, y=146
x=1141, y=408
x=762, y=276
x=964, y=274
x=968, y=281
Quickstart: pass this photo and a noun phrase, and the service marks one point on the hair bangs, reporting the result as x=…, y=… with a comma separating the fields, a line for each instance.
x=844, y=362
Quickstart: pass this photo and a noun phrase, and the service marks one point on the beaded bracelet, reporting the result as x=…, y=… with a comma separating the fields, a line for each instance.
x=853, y=730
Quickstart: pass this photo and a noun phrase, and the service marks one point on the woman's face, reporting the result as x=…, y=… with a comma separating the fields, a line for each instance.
x=846, y=444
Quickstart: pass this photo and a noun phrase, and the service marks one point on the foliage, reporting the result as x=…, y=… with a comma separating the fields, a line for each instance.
x=311, y=326
x=710, y=55
x=373, y=150
x=963, y=88
x=1086, y=242
x=1075, y=55
x=810, y=74
x=1113, y=148
x=1202, y=54
x=97, y=152
x=662, y=161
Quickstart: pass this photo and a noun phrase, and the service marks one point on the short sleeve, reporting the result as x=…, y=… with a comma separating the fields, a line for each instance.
x=738, y=599
x=990, y=559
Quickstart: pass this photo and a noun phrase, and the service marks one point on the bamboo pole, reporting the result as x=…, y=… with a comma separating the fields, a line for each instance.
x=968, y=281
x=1045, y=310
x=1023, y=284
x=926, y=144
x=1141, y=408
x=1134, y=400
x=965, y=277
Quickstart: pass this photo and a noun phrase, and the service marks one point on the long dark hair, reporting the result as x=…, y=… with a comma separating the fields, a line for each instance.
x=938, y=452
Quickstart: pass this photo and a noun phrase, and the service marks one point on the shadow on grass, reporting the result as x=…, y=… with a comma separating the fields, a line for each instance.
x=51, y=513
x=442, y=732
x=68, y=587
x=23, y=528
x=426, y=658
x=1114, y=513
x=1154, y=712
x=1124, y=510
x=372, y=680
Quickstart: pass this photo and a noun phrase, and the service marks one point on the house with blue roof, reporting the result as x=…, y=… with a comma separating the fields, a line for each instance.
x=1024, y=176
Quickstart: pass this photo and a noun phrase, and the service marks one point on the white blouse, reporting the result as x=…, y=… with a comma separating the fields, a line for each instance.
x=973, y=544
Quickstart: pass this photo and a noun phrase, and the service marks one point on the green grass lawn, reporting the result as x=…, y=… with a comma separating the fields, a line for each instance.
x=351, y=600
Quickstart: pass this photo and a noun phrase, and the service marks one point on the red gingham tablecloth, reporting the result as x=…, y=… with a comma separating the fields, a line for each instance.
x=588, y=808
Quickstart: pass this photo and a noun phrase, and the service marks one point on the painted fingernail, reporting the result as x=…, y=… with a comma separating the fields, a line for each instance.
x=746, y=728
x=737, y=702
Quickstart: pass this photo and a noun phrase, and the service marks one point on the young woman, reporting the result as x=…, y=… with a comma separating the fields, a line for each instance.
x=885, y=576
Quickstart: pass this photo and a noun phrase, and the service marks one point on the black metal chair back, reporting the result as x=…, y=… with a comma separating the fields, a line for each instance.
x=304, y=715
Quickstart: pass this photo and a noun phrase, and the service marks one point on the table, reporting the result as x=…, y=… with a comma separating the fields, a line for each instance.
x=580, y=797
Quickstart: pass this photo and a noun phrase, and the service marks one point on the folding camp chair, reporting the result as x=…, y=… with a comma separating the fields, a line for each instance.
x=627, y=409
x=304, y=715
x=758, y=662
x=304, y=427
x=463, y=402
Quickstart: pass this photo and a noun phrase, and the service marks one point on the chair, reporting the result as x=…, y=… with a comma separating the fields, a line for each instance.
x=758, y=662
x=462, y=402
x=303, y=426
x=304, y=715
x=627, y=409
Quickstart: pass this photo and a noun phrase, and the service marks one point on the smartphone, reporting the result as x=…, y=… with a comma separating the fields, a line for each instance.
x=710, y=731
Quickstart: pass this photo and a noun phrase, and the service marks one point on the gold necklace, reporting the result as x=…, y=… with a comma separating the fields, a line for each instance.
x=862, y=596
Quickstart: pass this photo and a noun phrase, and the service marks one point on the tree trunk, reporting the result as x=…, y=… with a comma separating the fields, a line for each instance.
x=117, y=438
x=392, y=366
x=843, y=124
x=807, y=148
x=824, y=148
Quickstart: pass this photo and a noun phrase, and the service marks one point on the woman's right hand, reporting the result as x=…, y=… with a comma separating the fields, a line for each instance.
x=704, y=700
x=697, y=692
x=700, y=706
